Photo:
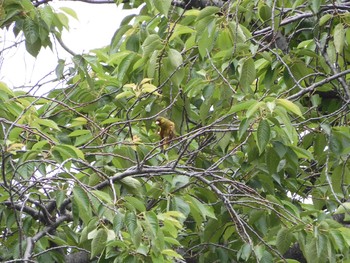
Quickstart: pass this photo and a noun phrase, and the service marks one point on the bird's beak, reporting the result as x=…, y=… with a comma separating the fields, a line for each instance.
x=157, y=122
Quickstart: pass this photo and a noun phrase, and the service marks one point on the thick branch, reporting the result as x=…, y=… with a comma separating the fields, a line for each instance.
x=317, y=84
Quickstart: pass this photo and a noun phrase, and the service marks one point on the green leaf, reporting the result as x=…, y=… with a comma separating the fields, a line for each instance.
x=117, y=38
x=175, y=57
x=205, y=41
x=205, y=210
x=324, y=19
x=247, y=74
x=48, y=123
x=5, y=89
x=290, y=106
x=152, y=220
x=78, y=133
x=207, y=11
x=31, y=31
x=343, y=208
x=60, y=68
x=244, y=252
x=131, y=182
x=152, y=43
x=315, y=5
x=98, y=242
x=243, y=127
x=103, y=196
x=241, y=106
x=264, y=12
x=70, y=12
x=283, y=240
x=254, y=108
x=263, y=135
x=162, y=6
x=125, y=65
x=181, y=30
x=82, y=201
x=171, y=253
x=118, y=222
x=68, y=151
x=40, y=145
x=302, y=153
x=135, y=203
x=47, y=15
x=224, y=140
x=131, y=222
x=339, y=37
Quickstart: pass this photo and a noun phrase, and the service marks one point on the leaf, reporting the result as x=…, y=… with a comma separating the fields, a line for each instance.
x=175, y=57
x=162, y=6
x=247, y=74
x=172, y=241
x=283, y=240
x=324, y=19
x=339, y=37
x=5, y=89
x=152, y=220
x=171, y=253
x=68, y=151
x=118, y=222
x=131, y=222
x=152, y=64
x=98, y=242
x=48, y=123
x=149, y=88
x=290, y=106
x=135, y=203
x=82, y=202
x=205, y=42
x=302, y=153
x=181, y=30
x=207, y=11
x=315, y=5
x=263, y=135
x=243, y=127
x=103, y=196
x=79, y=121
x=69, y=11
x=40, y=145
x=31, y=31
x=224, y=140
x=241, y=106
x=254, y=107
x=78, y=133
x=47, y=15
x=124, y=66
x=60, y=68
x=264, y=12
x=343, y=208
x=131, y=182
x=152, y=43
x=205, y=210
x=117, y=38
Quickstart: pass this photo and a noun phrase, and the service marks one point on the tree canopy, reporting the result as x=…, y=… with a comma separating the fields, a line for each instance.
x=258, y=92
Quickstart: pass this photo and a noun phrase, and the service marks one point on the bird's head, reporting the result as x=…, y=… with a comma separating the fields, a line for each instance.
x=160, y=121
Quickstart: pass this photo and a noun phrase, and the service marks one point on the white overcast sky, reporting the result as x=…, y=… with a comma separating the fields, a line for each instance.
x=94, y=29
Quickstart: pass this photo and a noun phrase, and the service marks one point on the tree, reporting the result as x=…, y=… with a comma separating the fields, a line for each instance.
x=259, y=171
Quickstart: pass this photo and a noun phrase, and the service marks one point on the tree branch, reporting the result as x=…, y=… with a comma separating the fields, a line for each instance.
x=317, y=84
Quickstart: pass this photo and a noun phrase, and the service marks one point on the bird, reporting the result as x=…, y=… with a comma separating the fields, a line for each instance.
x=166, y=132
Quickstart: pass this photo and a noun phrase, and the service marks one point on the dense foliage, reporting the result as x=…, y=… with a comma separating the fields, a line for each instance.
x=259, y=170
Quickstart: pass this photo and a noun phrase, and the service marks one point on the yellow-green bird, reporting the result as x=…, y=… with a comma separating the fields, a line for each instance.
x=166, y=132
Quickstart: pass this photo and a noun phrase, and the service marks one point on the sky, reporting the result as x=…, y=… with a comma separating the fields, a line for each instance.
x=94, y=29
